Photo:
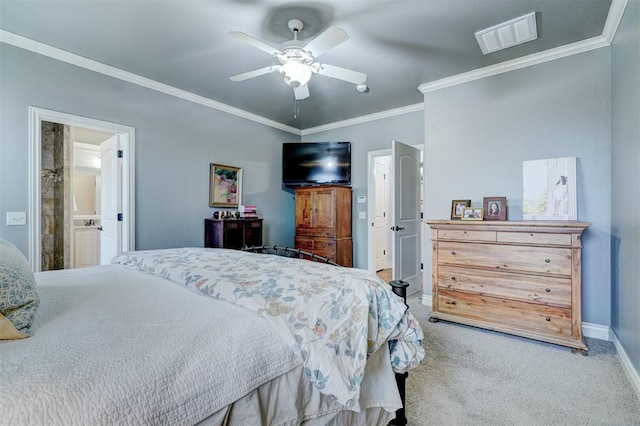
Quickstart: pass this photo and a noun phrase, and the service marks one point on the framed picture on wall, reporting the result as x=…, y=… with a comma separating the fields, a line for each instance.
x=225, y=186
x=495, y=208
x=456, y=208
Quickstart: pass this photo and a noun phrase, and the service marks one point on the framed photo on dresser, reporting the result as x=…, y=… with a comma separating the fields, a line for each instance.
x=456, y=208
x=495, y=208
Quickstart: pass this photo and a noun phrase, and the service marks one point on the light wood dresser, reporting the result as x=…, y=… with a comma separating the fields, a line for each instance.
x=522, y=278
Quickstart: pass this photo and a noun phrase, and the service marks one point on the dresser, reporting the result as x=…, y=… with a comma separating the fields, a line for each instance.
x=232, y=233
x=522, y=278
x=323, y=222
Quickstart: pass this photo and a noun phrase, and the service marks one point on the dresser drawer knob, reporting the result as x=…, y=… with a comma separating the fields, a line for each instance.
x=453, y=302
x=453, y=277
x=453, y=252
x=547, y=261
x=548, y=290
x=547, y=319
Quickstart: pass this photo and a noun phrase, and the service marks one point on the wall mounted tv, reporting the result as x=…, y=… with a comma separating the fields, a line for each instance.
x=316, y=163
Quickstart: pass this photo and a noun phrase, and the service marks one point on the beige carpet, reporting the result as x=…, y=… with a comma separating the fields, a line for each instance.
x=477, y=377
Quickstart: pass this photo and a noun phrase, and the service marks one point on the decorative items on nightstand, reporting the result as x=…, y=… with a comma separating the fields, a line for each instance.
x=522, y=278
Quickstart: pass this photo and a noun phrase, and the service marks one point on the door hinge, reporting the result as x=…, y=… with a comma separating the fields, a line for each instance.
x=120, y=217
x=421, y=266
x=384, y=252
x=421, y=215
x=120, y=153
x=384, y=214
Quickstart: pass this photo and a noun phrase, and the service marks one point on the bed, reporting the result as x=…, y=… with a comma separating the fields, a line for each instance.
x=206, y=336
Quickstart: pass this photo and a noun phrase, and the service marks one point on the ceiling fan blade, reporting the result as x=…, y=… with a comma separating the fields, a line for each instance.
x=246, y=38
x=301, y=92
x=255, y=73
x=354, y=77
x=329, y=39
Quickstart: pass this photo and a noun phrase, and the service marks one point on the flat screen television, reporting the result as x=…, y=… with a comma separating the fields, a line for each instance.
x=316, y=163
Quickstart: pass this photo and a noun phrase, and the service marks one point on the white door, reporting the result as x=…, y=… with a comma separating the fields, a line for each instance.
x=110, y=200
x=382, y=212
x=406, y=221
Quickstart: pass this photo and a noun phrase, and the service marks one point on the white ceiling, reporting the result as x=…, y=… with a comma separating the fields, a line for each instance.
x=399, y=44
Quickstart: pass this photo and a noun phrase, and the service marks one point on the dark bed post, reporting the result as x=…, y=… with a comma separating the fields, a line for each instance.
x=400, y=288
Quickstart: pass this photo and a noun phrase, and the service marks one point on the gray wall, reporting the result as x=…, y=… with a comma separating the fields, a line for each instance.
x=479, y=133
x=175, y=142
x=625, y=70
x=372, y=136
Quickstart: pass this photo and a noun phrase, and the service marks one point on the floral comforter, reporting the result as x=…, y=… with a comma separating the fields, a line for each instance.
x=333, y=318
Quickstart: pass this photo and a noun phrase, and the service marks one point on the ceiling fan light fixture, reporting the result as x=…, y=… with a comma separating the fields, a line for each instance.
x=295, y=73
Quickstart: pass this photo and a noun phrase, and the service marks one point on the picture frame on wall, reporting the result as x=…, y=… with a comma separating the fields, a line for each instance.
x=472, y=213
x=495, y=208
x=225, y=186
x=456, y=208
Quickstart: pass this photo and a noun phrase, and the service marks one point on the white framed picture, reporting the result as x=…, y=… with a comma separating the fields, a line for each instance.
x=549, y=189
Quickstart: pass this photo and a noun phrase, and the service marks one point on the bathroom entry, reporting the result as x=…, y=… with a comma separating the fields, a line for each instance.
x=81, y=190
x=87, y=194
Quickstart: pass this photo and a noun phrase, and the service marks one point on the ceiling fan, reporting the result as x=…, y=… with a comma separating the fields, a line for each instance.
x=298, y=60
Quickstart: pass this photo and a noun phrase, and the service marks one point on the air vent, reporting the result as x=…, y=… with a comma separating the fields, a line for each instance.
x=508, y=34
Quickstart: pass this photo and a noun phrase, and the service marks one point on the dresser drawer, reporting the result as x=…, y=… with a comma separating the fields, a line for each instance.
x=315, y=244
x=549, y=320
x=509, y=258
x=527, y=288
x=534, y=238
x=315, y=232
x=466, y=235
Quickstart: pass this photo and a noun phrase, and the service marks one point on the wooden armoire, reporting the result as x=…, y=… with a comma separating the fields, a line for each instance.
x=323, y=222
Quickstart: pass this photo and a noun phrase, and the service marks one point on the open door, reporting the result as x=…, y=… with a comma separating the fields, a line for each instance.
x=406, y=221
x=111, y=200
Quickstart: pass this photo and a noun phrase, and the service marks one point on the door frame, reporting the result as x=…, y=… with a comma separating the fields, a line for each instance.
x=371, y=155
x=127, y=137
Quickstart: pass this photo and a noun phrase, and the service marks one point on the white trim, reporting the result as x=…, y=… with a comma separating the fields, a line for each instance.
x=614, y=17
x=611, y=25
x=427, y=300
x=36, y=116
x=364, y=119
x=82, y=62
x=627, y=365
x=596, y=331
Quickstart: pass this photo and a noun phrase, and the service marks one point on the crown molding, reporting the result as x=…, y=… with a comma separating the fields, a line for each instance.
x=608, y=33
x=89, y=64
x=364, y=119
x=614, y=17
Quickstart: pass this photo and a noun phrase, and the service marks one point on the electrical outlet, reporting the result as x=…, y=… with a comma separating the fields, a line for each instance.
x=16, y=218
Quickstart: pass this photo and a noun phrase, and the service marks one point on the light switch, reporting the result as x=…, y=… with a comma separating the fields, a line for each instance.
x=362, y=215
x=16, y=218
x=362, y=199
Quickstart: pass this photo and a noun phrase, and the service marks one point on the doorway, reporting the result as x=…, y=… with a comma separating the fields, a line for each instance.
x=380, y=212
x=56, y=216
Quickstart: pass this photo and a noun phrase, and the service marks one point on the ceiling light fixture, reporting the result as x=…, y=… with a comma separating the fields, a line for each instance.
x=295, y=73
x=511, y=33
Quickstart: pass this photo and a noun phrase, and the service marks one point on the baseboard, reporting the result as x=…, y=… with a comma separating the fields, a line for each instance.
x=596, y=331
x=627, y=365
x=426, y=299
